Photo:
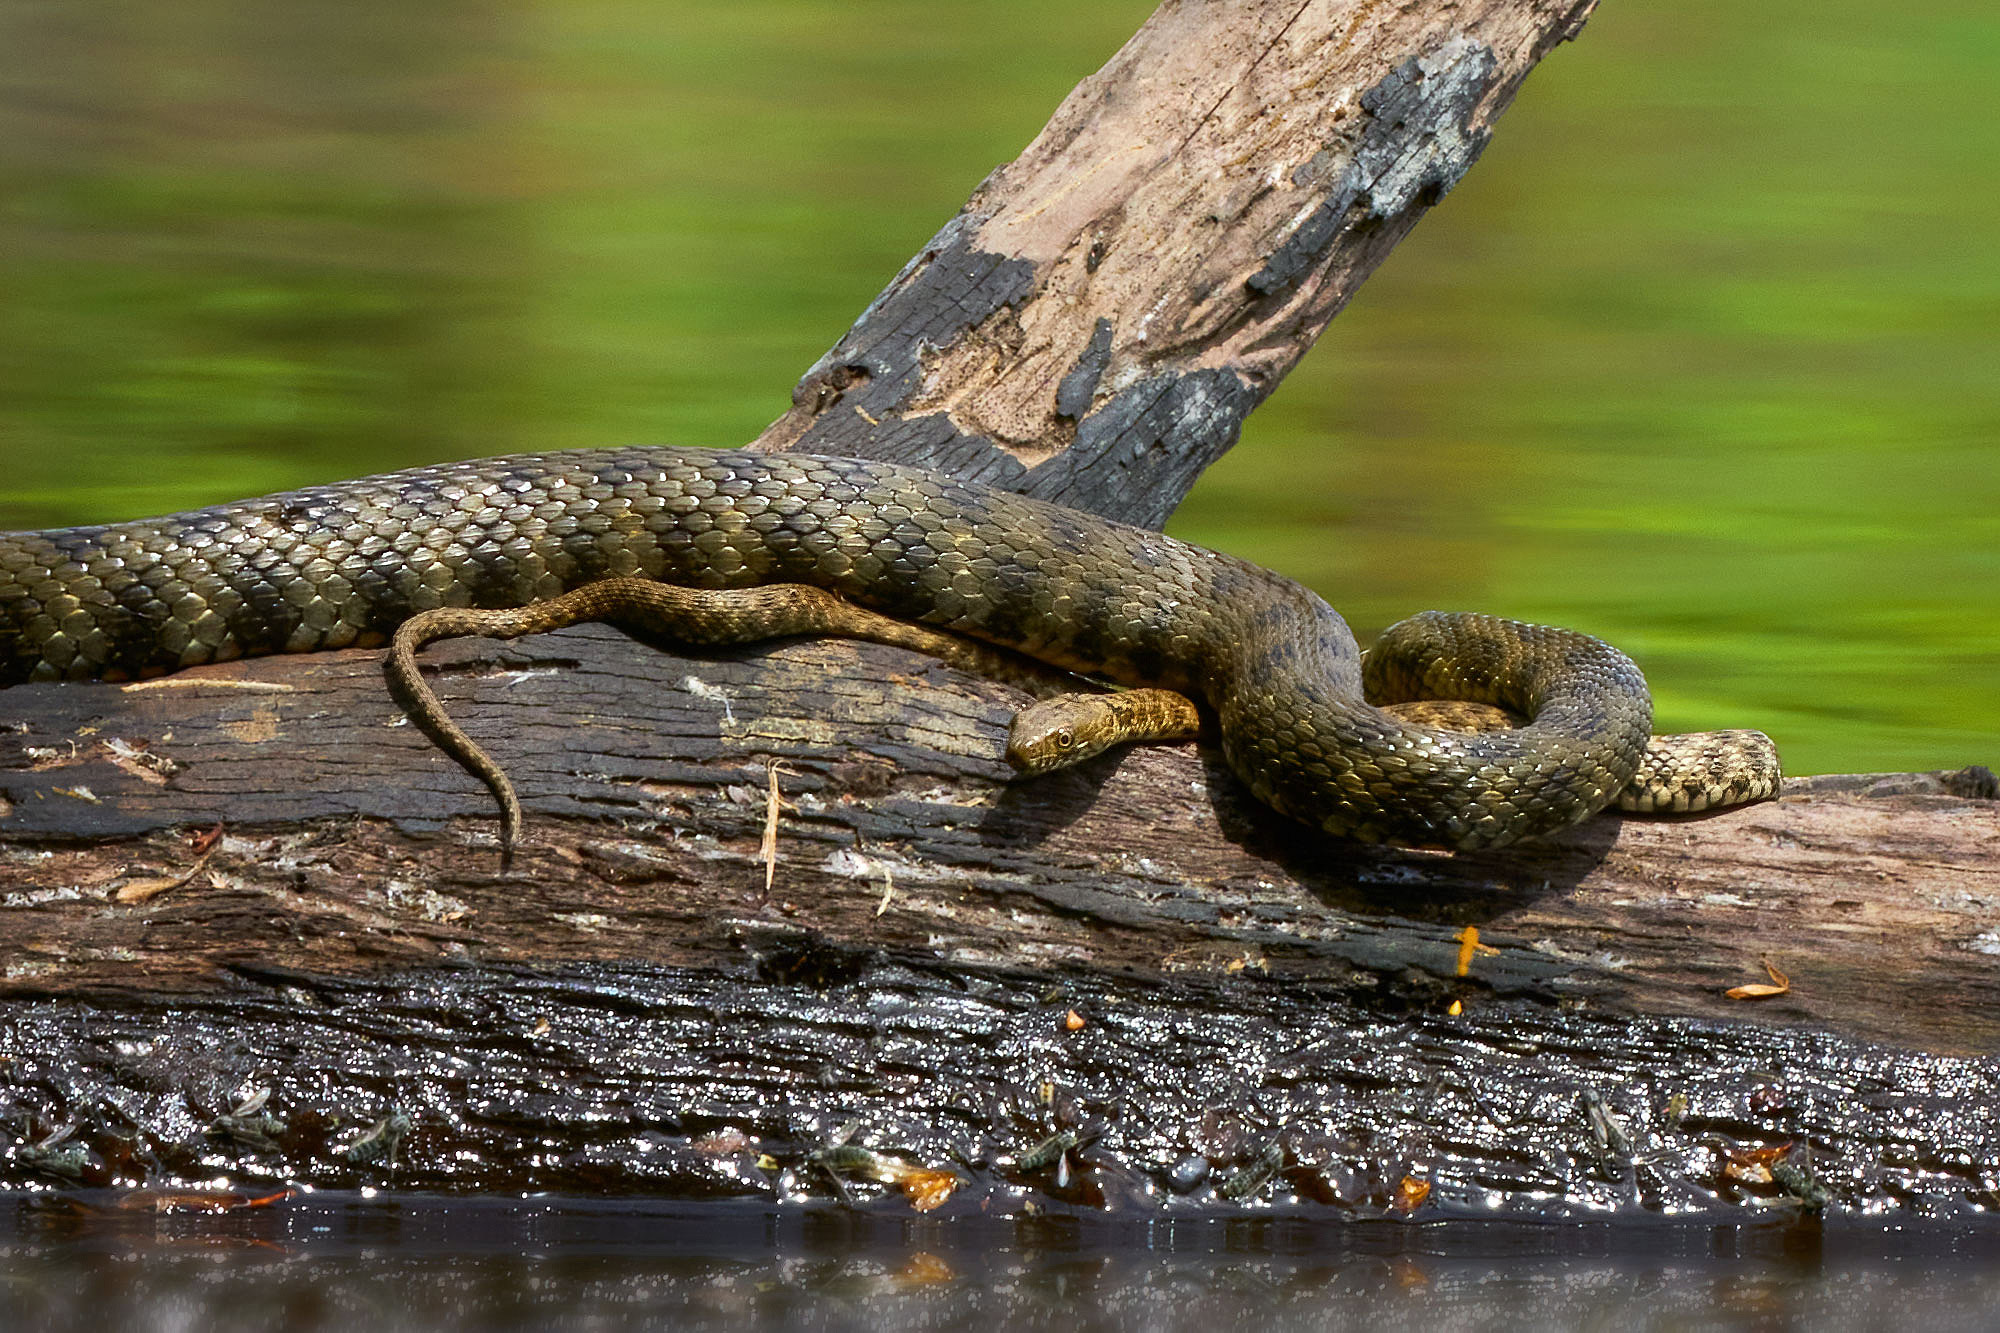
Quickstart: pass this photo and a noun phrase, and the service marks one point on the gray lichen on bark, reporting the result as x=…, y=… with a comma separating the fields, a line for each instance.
x=1419, y=141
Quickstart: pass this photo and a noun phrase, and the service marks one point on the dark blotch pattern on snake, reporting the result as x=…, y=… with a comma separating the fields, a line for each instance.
x=344, y=564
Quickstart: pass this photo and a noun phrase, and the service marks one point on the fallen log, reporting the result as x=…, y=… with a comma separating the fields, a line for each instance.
x=770, y=893
x=648, y=781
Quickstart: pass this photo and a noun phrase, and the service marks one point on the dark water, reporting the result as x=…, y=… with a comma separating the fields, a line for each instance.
x=352, y=1262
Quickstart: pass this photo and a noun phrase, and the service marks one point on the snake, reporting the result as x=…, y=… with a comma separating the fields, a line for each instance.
x=1259, y=662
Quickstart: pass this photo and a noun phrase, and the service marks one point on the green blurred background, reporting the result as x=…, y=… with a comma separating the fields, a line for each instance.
x=1704, y=356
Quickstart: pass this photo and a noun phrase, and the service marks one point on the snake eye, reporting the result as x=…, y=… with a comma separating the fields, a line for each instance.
x=1065, y=738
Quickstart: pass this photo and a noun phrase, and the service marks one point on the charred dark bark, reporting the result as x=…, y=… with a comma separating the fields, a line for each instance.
x=1099, y=318
x=255, y=878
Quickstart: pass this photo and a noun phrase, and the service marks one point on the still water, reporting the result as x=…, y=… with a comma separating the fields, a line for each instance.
x=342, y=1262
x=1704, y=356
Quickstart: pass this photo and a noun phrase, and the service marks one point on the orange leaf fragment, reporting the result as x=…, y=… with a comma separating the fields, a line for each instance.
x=1757, y=990
x=1752, y=1165
x=1468, y=946
x=196, y=1201
x=1761, y=1155
x=925, y=1269
x=1410, y=1194
x=927, y=1189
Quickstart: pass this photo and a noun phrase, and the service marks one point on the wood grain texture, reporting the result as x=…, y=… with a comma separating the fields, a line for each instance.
x=645, y=778
x=630, y=1010
x=1095, y=323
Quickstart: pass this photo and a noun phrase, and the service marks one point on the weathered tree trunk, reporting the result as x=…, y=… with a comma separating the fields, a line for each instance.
x=960, y=962
x=1099, y=318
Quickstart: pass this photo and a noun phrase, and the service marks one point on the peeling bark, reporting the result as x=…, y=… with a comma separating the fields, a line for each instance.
x=1099, y=318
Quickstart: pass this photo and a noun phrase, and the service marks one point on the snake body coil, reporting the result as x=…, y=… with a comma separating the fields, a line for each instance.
x=341, y=565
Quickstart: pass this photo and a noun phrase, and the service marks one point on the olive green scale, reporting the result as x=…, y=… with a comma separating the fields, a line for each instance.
x=344, y=564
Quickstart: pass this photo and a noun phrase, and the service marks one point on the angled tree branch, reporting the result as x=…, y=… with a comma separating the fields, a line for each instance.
x=1099, y=318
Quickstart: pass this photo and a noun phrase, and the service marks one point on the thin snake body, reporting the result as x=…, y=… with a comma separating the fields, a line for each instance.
x=344, y=564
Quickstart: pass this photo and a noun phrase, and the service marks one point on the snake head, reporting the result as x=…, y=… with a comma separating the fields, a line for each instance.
x=1056, y=733
x=1070, y=728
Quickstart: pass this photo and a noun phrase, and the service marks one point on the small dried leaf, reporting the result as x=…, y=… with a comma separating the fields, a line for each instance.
x=1410, y=1194
x=721, y=1143
x=1762, y=1155
x=201, y=844
x=767, y=848
x=141, y=890
x=925, y=1270
x=1748, y=1173
x=1757, y=990
x=927, y=1189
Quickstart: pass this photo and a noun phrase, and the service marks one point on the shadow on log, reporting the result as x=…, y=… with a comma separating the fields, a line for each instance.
x=252, y=924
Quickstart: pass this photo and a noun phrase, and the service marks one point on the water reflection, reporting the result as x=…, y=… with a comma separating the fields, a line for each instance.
x=332, y=1261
